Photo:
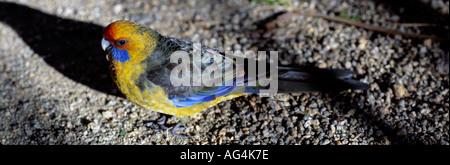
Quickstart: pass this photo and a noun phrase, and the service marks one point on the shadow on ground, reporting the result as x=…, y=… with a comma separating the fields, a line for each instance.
x=416, y=11
x=71, y=47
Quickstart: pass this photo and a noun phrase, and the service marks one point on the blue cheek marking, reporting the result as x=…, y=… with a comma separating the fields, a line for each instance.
x=120, y=55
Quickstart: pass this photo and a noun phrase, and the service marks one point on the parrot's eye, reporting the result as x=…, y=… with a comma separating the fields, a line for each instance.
x=121, y=42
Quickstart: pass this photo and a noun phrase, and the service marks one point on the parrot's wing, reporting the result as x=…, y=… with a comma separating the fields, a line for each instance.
x=197, y=92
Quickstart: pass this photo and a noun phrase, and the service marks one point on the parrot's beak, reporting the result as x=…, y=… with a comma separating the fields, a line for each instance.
x=105, y=44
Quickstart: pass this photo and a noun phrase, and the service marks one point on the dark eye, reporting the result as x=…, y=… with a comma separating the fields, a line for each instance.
x=121, y=42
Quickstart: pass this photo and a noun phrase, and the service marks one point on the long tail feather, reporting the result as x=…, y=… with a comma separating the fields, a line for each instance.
x=307, y=79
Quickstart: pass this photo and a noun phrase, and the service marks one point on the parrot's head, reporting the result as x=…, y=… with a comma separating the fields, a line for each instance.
x=127, y=41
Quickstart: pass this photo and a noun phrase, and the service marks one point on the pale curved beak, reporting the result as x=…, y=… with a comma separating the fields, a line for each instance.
x=105, y=44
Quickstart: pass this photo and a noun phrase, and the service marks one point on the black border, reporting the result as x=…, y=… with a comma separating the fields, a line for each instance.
x=329, y=154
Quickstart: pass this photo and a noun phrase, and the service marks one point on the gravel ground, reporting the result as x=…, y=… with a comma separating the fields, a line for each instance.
x=55, y=86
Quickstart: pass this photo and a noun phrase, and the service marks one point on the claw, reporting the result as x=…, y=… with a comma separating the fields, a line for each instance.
x=161, y=121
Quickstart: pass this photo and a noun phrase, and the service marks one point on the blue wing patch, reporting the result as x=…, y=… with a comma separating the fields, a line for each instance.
x=204, y=95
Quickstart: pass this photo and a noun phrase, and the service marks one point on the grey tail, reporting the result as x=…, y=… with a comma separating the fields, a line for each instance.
x=308, y=79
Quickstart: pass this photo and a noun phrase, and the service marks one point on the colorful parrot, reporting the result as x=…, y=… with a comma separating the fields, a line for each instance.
x=140, y=66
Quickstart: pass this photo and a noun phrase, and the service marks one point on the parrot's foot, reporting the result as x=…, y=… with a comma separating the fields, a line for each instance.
x=178, y=127
x=160, y=125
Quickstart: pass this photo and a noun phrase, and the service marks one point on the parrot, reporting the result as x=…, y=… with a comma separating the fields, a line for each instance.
x=140, y=65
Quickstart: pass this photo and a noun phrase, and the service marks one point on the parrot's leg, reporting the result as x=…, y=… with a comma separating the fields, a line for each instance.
x=178, y=127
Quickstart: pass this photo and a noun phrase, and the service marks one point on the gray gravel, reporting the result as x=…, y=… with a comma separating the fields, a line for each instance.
x=55, y=86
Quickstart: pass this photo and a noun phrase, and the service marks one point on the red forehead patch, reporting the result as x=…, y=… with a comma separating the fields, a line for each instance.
x=108, y=33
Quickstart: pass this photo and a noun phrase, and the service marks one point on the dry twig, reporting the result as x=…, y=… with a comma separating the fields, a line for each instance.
x=285, y=16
